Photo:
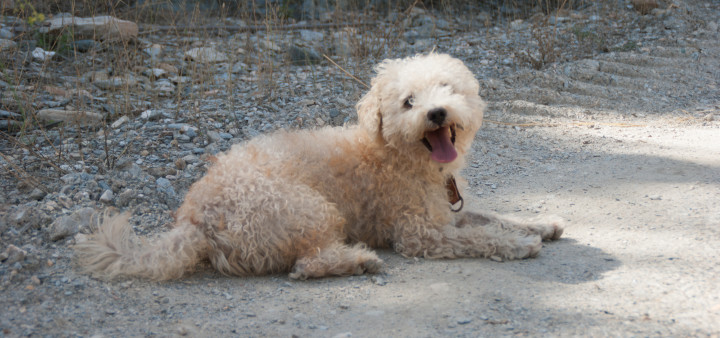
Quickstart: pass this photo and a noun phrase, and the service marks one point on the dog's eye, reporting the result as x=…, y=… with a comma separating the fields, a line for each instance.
x=409, y=102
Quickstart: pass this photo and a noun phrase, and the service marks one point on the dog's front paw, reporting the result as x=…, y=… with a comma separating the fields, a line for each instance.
x=372, y=265
x=549, y=227
x=521, y=247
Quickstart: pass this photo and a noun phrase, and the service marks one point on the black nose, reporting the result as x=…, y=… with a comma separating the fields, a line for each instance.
x=437, y=116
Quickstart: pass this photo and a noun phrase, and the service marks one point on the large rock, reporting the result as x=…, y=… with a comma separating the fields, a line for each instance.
x=6, y=44
x=70, y=225
x=83, y=118
x=206, y=55
x=99, y=28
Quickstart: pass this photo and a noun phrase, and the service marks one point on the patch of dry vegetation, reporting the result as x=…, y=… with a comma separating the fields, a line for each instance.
x=360, y=36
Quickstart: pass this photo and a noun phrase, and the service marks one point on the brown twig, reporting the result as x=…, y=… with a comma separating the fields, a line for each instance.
x=346, y=72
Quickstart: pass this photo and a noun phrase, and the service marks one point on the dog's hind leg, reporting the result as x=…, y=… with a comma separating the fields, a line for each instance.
x=337, y=259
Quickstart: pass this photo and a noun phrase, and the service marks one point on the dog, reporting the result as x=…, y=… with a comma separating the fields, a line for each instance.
x=313, y=203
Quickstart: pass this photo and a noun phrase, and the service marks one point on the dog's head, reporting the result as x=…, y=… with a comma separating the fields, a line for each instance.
x=428, y=105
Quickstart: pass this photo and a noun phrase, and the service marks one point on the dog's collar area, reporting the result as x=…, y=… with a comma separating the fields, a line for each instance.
x=454, y=194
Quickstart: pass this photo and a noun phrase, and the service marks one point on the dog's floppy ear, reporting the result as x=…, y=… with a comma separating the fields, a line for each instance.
x=368, y=110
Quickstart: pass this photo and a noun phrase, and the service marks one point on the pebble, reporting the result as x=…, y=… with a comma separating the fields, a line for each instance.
x=164, y=186
x=12, y=255
x=123, y=199
x=37, y=194
x=6, y=34
x=69, y=225
x=107, y=196
x=303, y=56
x=6, y=44
x=206, y=55
x=378, y=280
x=40, y=54
x=464, y=320
x=150, y=115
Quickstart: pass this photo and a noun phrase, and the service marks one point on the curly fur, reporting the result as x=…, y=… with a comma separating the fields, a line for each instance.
x=311, y=203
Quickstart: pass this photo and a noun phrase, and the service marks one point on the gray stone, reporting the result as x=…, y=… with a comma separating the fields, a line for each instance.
x=69, y=225
x=84, y=46
x=37, y=194
x=311, y=36
x=6, y=34
x=206, y=55
x=164, y=186
x=12, y=255
x=77, y=117
x=6, y=44
x=107, y=196
x=238, y=67
x=100, y=28
x=123, y=199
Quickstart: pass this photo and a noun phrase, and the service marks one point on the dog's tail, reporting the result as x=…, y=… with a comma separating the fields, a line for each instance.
x=113, y=251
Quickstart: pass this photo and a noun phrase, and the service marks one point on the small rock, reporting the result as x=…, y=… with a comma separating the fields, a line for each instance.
x=28, y=217
x=464, y=320
x=12, y=255
x=70, y=225
x=709, y=117
x=116, y=82
x=206, y=55
x=311, y=36
x=270, y=45
x=378, y=280
x=164, y=87
x=150, y=115
x=42, y=55
x=83, y=118
x=6, y=44
x=496, y=258
x=123, y=199
x=37, y=194
x=161, y=171
x=191, y=159
x=164, y=186
x=155, y=73
x=214, y=136
x=99, y=28
x=107, y=196
x=84, y=46
x=6, y=34
x=119, y=122
x=655, y=197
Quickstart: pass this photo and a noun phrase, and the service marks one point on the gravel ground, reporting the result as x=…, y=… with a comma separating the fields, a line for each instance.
x=617, y=131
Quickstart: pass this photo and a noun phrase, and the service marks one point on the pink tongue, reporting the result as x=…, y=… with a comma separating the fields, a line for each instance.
x=443, y=150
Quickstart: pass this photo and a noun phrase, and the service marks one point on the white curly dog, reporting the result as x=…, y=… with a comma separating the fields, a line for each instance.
x=313, y=202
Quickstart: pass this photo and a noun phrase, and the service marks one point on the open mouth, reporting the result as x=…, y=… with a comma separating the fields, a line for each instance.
x=441, y=143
